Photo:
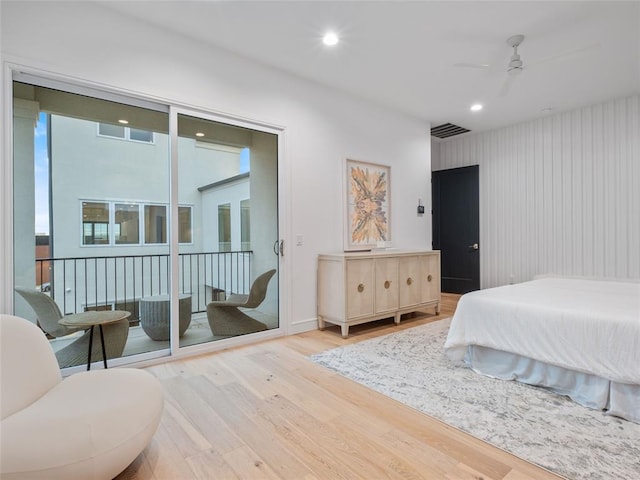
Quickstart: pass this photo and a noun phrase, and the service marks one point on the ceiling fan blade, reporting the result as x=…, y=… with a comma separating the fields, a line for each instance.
x=566, y=54
x=506, y=86
x=481, y=66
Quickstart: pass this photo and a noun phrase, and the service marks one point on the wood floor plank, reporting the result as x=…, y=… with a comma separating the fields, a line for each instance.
x=239, y=408
x=518, y=475
x=266, y=411
x=202, y=413
x=182, y=431
x=292, y=384
x=216, y=369
x=313, y=442
x=254, y=378
x=210, y=465
x=247, y=464
x=167, y=463
x=428, y=458
x=387, y=461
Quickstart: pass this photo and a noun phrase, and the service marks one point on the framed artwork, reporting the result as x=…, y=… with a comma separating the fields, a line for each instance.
x=368, y=205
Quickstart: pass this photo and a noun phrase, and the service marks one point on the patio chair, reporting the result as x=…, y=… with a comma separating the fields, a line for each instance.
x=225, y=318
x=48, y=314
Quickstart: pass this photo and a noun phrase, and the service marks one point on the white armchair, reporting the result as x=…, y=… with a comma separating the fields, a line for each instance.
x=91, y=425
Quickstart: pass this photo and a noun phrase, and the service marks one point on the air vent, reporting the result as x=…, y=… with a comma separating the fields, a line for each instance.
x=447, y=130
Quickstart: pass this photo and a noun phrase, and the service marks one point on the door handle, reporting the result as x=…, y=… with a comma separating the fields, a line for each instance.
x=475, y=246
x=278, y=247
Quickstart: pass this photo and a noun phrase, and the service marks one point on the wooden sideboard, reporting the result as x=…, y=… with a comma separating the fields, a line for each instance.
x=358, y=287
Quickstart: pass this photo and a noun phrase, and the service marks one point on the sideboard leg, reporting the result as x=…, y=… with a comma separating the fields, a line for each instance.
x=345, y=330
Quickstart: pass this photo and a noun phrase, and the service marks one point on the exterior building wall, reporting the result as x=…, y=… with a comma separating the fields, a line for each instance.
x=86, y=166
x=233, y=194
x=42, y=267
x=25, y=115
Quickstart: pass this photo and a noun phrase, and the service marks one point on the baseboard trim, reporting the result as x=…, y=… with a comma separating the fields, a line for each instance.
x=301, y=326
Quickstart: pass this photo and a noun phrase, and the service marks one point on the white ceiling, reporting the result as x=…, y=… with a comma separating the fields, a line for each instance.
x=401, y=54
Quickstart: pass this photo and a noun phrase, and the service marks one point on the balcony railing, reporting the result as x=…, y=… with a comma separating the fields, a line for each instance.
x=118, y=282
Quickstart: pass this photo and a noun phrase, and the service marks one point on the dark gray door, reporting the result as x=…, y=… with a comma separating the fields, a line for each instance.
x=456, y=231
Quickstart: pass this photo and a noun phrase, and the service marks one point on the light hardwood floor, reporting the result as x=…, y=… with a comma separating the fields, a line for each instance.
x=266, y=412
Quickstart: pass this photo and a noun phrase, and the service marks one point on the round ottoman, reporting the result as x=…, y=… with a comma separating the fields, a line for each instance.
x=155, y=314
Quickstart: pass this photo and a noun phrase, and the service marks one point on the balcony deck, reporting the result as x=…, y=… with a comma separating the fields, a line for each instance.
x=129, y=282
x=198, y=332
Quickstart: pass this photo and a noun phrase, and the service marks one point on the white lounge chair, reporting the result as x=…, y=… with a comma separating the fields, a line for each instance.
x=89, y=426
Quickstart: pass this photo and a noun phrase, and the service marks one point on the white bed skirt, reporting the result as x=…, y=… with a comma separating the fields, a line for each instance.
x=619, y=399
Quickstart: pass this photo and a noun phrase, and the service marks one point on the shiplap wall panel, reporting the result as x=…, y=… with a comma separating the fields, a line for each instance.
x=633, y=124
x=558, y=194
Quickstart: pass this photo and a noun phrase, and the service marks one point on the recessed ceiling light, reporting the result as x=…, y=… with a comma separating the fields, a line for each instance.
x=199, y=134
x=547, y=110
x=123, y=121
x=330, y=39
x=476, y=107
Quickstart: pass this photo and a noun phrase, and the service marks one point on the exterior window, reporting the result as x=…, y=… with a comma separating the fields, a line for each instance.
x=108, y=130
x=140, y=135
x=155, y=224
x=95, y=223
x=224, y=227
x=126, y=223
x=124, y=133
x=245, y=225
x=184, y=224
x=126, y=226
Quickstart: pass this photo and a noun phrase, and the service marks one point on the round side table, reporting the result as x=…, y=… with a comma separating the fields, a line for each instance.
x=90, y=319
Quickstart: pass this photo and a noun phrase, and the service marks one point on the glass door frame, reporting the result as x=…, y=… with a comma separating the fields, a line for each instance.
x=174, y=111
x=47, y=80
x=7, y=273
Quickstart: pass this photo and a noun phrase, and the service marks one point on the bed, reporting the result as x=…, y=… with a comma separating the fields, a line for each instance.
x=577, y=337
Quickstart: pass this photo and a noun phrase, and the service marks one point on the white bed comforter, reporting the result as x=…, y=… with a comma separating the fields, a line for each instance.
x=584, y=325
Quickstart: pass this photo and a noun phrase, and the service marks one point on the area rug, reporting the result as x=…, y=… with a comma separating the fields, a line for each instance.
x=541, y=427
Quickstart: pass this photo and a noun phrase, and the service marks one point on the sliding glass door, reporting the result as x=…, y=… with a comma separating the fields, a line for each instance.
x=115, y=210
x=91, y=203
x=228, y=186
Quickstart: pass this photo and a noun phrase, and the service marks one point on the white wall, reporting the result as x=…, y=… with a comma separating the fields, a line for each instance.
x=322, y=126
x=559, y=194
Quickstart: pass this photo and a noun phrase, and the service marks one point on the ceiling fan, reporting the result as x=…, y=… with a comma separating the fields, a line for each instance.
x=516, y=66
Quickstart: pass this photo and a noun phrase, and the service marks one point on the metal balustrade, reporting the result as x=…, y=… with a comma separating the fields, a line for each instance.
x=118, y=282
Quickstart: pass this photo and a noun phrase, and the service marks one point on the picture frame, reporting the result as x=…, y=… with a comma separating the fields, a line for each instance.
x=368, y=205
